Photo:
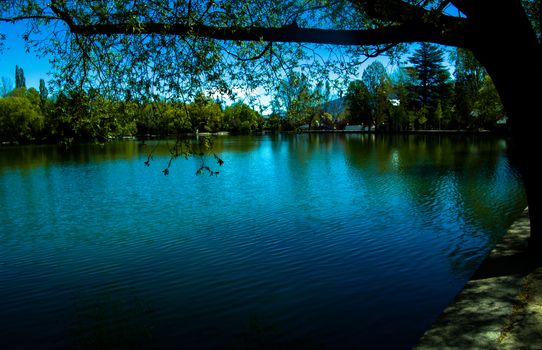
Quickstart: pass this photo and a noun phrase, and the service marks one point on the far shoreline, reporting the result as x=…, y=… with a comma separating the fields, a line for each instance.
x=502, y=133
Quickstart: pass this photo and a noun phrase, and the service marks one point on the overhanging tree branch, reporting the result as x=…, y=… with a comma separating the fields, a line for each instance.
x=22, y=18
x=408, y=32
x=62, y=14
x=408, y=23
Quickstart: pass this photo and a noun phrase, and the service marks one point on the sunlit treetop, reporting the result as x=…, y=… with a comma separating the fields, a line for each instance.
x=158, y=49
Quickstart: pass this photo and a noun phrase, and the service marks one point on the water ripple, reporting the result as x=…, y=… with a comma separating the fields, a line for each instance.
x=335, y=242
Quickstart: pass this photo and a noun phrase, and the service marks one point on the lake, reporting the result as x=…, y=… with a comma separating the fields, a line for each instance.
x=339, y=241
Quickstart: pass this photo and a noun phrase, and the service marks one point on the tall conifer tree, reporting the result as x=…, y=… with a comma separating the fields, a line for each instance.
x=44, y=92
x=430, y=76
x=430, y=71
x=20, y=80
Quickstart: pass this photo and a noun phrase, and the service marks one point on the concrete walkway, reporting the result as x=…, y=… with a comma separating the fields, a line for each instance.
x=501, y=306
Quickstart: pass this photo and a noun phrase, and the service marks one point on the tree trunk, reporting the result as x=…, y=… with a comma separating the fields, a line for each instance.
x=504, y=44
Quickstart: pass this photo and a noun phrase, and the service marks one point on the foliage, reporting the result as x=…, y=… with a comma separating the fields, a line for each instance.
x=20, y=80
x=29, y=115
x=377, y=81
x=488, y=108
x=326, y=120
x=6, y=86
x=401, y=115
x=202, y=115
x=20, y=120
x=477, y=103
x=79, y=116
x=533, y=9
x=18, y=92
x=469, y=76
x=429, y=80
x=162, y=54
x=399, y=118
x=205, y=114
x=156, y=64
x=33, y=96
x=274, y=122
x=44, y=92
x=241, y=118
x=172, y=50
x=358, y=102
x=296, y=98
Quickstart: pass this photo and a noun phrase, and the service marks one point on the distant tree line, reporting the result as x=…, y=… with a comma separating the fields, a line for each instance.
x=32, y=116
x=421, y=95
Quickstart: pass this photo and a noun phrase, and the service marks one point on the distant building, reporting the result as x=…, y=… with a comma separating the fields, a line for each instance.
x=502, y=120
x=395, y=102
x=394, y=99
x=353, y=128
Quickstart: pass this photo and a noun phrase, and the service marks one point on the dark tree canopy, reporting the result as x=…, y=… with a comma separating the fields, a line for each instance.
x=470, y=82
x=44, y=92
x=358, y=104
x=377, y=81
x=429, y=82
x=429, y=72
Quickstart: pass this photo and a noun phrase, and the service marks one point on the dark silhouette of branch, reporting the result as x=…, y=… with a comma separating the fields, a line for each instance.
x=62, y=14
x=408, y=32
x=22, y=18
x=407, y=23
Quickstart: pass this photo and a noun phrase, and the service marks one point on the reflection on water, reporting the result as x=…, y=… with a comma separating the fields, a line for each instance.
x=304, y=241
x=112, y=318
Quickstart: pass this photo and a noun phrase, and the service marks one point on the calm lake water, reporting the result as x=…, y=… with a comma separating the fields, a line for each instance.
x=302, y=241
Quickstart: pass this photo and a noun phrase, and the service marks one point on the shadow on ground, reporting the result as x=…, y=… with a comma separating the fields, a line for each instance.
x=501, y=306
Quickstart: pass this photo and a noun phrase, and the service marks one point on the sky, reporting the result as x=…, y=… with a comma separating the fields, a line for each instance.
x=14, y=53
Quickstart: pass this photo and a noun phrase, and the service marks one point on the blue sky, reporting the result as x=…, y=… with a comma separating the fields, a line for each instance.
x=14, y=53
